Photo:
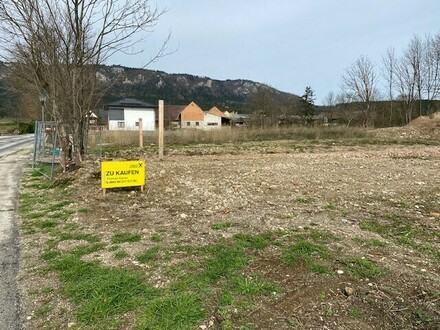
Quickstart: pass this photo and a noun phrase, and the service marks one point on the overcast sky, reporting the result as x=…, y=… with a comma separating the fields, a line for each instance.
x=287, y=44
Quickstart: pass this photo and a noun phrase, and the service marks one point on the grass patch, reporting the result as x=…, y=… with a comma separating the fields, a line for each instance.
x=303, y=252
x=78, y=236
x=36, y=215
x=224, y=261
x=223, y=225
x=119, y=238
x=355, y=313
x=259, y=241
x=45, y=224
x=121, y=254
x=87, y=249
x=156, y=237
x=370, y=243
x=178, y=311
x=101, y=292
x=320, y=269
x=149, y=255
x=252, y=285
x=43, y=310
x=58, y=206
x=363, y=268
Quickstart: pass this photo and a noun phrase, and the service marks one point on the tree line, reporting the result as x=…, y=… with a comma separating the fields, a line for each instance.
x=391, y=93
x=410, y=85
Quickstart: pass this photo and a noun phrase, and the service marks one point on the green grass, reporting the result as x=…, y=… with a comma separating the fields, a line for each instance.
x=320, y=269
x=370, y=243
x=156, y=237
x=45, y=224
x=252, y=285
x=363, y=268
x=149, y=255
x=58, y=206
x=36, y=215
x=119, y=238
x=259, y=241
x=223, y=261
x=87, y=249
x=78, y=236
x=223, y=225
x=355, y=313
x=174, y=312
x=101, y=292
x=303, y=252
x=121, y=254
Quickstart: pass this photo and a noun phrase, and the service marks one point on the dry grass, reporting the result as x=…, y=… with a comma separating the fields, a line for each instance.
x=225, y=135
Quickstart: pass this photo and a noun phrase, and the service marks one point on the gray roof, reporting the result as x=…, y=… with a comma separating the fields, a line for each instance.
x=130, y=103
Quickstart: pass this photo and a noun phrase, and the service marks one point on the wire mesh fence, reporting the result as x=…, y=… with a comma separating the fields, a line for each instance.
x=47, y=147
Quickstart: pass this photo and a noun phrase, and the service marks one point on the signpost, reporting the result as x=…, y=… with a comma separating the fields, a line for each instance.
x=122, y=174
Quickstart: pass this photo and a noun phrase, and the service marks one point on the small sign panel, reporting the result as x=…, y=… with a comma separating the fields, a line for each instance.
x=122, y=174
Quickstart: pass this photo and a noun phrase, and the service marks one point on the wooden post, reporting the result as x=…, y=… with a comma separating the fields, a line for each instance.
x=141, y=136
x=160, y=129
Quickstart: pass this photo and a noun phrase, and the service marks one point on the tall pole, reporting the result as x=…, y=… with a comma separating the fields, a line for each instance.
x=160, y=129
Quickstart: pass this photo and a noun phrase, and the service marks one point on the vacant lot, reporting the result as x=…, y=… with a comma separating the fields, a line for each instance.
x=268, y=235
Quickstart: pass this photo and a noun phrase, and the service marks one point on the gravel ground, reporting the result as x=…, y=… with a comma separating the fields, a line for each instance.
x=282, y=186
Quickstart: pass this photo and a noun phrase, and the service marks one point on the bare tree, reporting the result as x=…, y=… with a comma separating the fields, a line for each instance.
x=389, y=74
x=359, y=81
x=344, y=104
x=57, y=45
x=408, y=77
x=264, y=105
x=431, y=65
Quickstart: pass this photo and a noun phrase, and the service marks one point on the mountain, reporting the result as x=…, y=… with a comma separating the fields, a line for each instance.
x=181, y=89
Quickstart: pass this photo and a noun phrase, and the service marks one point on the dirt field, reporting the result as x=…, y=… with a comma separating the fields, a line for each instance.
x=367, y=216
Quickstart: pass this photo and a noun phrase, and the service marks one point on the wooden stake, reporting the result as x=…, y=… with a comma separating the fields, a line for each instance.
x=141, y=136
x=161, y=129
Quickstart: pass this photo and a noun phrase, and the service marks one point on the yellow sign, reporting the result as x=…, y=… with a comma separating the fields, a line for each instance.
x=122, y=174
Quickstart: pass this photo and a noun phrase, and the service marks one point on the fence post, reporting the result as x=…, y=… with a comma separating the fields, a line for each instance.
x=161, y=115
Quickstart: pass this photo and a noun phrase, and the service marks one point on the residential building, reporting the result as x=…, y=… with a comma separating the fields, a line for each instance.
x=125, y=114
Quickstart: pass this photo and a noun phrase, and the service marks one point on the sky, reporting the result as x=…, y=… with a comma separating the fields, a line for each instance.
x=287, y=44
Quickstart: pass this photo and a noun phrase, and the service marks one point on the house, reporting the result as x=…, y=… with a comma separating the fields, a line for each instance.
x=171, y=116
x=192, y=117
x=215, y=118
x=92, y=118
x=125, y=114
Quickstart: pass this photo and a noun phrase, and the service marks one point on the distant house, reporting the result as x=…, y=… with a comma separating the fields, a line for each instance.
x=125, y=114
x=215, y=118
x=171, y=116
x=192, y=117
x=92, y=119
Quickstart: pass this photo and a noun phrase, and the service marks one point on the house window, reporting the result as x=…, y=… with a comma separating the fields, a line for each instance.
x=197, y=123
x=188, y=124
x=136, y=124
x=121, y=124
x=212, y=124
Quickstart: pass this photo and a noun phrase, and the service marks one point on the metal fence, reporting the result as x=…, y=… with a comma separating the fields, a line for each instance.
x=47, y=147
